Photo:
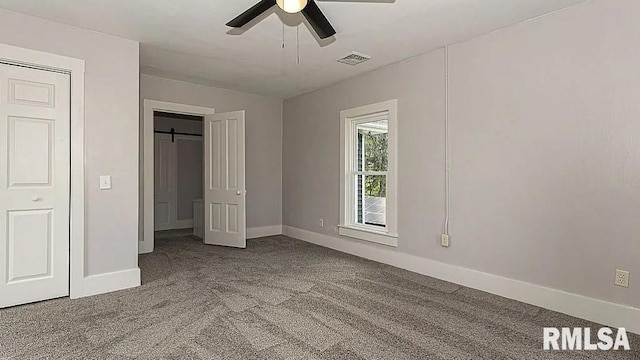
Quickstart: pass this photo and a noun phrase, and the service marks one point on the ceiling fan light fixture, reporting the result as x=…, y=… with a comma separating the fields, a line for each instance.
x=292, y=6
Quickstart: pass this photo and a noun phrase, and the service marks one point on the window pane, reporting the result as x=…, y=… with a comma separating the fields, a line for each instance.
x=359, y=199
x=371, y=200
x=373, y=144
x=359, y=152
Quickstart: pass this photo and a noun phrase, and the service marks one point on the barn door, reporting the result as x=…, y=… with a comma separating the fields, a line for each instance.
x=165, y=190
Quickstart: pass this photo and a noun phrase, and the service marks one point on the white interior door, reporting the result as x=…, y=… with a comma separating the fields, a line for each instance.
x=34, y=184
x=224, y=193
x=165, y=191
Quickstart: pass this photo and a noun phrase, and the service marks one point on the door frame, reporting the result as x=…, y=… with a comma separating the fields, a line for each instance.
x=145, y=240
x=13, y=55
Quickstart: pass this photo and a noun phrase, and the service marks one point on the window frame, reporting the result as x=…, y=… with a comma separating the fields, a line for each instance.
x=349, y=119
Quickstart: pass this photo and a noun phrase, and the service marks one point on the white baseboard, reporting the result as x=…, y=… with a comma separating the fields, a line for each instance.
x=104, y=283
x=258, y=232
x=591, y=309
x=183, y=224
x=145, y=247
x=178, y=225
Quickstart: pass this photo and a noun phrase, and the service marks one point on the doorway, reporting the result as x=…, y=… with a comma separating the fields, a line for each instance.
x=178, y=169
x=221, y=177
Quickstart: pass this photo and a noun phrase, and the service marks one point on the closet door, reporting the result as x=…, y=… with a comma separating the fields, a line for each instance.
x=34, y=184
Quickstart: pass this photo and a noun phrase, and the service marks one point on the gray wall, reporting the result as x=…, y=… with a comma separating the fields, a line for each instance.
x=263, y=139
x=111, y=131
x=545, y=152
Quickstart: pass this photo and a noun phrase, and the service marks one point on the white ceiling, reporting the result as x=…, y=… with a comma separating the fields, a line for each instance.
x=188, y=40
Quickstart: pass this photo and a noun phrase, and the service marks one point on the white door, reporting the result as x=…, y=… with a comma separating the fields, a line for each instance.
x=34, y=185
x=165, y=191
x=224, y=193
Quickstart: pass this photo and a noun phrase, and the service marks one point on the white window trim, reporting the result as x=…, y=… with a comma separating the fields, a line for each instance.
x=348, y=227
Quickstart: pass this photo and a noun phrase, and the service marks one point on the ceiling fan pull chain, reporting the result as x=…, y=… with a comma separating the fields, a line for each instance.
x=283, y=35
x=298, y=42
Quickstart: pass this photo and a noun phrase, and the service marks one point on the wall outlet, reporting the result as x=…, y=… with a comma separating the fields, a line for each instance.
x=622, y=278
x=444, y=240
x=321, y=222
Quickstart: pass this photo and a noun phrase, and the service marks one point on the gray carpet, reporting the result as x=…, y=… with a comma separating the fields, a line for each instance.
x=281, y=298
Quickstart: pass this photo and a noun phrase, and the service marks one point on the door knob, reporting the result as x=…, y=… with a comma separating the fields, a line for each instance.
x=238, y=192
x=35, y=199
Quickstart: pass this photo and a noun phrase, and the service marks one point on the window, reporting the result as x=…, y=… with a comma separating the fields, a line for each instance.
x=368, y=178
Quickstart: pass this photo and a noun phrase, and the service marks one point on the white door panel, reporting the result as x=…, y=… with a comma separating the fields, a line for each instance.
x=165, y=191
x=224, y=158
x=34, y=185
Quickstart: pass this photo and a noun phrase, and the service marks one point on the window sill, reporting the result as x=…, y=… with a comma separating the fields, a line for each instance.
x=378, y=237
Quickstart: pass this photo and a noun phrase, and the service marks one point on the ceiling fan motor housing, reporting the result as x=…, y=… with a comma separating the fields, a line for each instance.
x=292, y=6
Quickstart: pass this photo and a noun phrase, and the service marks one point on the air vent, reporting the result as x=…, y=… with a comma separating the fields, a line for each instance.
x=354, y=58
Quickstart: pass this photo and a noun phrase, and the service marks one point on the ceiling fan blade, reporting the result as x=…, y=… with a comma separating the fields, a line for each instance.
x=252, y=13
x=318, y=21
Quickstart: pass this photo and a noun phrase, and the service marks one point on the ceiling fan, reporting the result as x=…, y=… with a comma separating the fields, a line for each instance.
x=309, y=9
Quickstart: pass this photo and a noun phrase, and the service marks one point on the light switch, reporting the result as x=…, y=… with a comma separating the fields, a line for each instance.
x=105, y=182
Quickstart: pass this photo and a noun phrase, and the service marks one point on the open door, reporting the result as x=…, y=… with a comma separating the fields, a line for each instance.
x=224, y=180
